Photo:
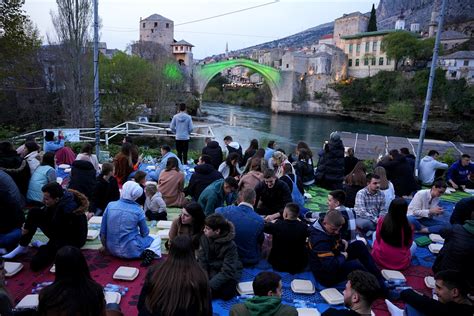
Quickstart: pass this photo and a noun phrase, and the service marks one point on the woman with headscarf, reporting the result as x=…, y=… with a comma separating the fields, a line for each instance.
x=129, y=239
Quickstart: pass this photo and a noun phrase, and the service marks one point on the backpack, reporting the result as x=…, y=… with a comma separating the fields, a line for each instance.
x=296, y=195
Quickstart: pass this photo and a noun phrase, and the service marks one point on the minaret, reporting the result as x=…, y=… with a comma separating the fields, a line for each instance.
x=226, y=49
x=433, y=26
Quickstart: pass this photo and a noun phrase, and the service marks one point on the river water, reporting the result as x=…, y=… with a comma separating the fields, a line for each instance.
x=244, y=123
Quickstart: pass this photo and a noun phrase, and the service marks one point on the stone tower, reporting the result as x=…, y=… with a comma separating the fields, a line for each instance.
x=157, y=29
x=433, y=26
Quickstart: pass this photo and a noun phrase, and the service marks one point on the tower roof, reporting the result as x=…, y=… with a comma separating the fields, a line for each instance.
x=157, y=17
x=182, y=43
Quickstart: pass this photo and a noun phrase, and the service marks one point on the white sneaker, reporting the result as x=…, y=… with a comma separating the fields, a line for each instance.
x=19, y=250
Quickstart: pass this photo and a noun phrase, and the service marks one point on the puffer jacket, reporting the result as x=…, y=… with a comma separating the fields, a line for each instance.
x=331, y=163
x=219, y=258
x=17, y=168
x=203, y=176
x=214, y=151
x=83, y=178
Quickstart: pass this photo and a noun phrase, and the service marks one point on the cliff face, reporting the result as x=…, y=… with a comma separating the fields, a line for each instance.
x=419, y=11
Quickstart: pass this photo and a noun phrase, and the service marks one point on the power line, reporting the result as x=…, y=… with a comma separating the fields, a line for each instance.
x=228, y=13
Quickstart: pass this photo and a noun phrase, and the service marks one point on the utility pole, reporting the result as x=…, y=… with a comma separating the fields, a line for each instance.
x=96, y=79
x=429, y=90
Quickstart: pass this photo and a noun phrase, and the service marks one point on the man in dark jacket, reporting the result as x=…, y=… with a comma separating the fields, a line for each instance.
x=214, y=151
x=458, y=250
x=83, y=178
x=330, y=170
x=15, y=166
x=462, y=211
x=204, y=174
x=62, y=220
x=400, y=173
x=461, y=173
x=12, y=213
x=218, y=256
x=332, y=258
x=272, y=195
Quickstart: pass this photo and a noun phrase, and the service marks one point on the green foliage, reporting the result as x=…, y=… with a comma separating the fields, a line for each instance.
x=459, y=96
x=241, y=96
x=449, y=157
x=217, y=82
x=402, y=112
x=372, y=20
x=401, y=45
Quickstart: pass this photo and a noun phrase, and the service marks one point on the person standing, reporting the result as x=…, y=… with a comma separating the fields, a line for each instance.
x=182, y=126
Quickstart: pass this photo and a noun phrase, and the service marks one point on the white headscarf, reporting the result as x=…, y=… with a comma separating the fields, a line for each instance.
x=131, y=191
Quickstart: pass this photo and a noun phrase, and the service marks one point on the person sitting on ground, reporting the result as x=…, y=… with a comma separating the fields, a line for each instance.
x=267, y=288
x=369, y=205
x=304, y=167
x=12, y=215
x=22, y=150
x=349, y=161
x=462, y=211
x=250, y=152
x=44, y=174
x=6, y=302
x=250, y=179
x=166, y=153
x=204, y=174
x=131, y=238
x=289, y=241
x=73, y=291
x=218, y=256
x=171, y=184
x=332, y=258
x=87, y=155
x=190, y=222
x=430, y=167
x=393, y=244
x=452, y=290
x=32, y=155
x=272, y=196
x=361, y=291
x=386, y=186
x=233, y=147
x=230, y=167
x=62, y=219
x=258, y=155
x=409, y=157
x=177, y=285
x=214, y=151
x=400, y=173
x=330, y=169
x=65, y=155
x=50, y=145
x=83, y=178
x=217, y=193
x=335, y=201
x=15, y=166
x=289, y=178
x=424, y=213
x=140, y=178
x=278, y=160
x=458, y=249
x=269, y=150
x=355, y=181
x=106, y=189
x=123, y=165
x=301, y=145
x=155, y=206
x=461, y=173
x=248, y=227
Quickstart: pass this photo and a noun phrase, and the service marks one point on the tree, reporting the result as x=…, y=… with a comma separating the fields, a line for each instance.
x=72, y=25
x=372, y=20
x=400, y=45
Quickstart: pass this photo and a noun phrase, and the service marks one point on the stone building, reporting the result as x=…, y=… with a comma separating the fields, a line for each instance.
x=327, y=39
x=365, y=54
x=451, y=39
x=349, y=24
x=158, y=29
x=183, y=52
x=271, y=58
x=459, y=65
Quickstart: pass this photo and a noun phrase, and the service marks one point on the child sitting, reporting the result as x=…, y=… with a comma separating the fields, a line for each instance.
x=155, y=207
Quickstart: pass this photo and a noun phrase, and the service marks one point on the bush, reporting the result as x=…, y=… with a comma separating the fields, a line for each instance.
x=403, y=112
x=449, y=157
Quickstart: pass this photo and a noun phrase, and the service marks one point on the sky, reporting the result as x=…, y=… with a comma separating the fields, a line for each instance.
x=272, y=20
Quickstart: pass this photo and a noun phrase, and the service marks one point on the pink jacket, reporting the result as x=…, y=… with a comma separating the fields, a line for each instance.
x=387, y=256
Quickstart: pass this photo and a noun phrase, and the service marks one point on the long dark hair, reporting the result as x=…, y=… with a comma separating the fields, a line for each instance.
x=228, y=161
x=73, y=291
x=395, y=222
x=179, y=285
x=253, y=146
x=303, y=145
x=358, y=175
x=172, y=163
x=195, y=210
x=48, y=159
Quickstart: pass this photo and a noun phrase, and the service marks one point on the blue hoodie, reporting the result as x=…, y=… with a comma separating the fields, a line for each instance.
x=181, y=125
x=460, y=174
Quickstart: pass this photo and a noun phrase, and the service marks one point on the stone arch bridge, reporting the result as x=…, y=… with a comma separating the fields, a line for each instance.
x=281, y=83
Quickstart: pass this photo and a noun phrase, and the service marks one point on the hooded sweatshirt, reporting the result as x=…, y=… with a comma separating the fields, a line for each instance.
x=214, y=151
x=181, y=125
x=263, y=306
x=203, y=176
x=428, y=166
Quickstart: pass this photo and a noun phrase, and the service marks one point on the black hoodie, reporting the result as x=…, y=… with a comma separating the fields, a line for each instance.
x=83, y=178
x=203, y=176
x=215, y=152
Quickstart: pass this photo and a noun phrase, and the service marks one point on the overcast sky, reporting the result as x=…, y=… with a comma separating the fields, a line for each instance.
x=120, y=20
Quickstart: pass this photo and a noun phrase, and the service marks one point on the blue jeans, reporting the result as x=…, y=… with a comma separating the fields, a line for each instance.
x=11, y=239
x=411, y=311
x=434, y=225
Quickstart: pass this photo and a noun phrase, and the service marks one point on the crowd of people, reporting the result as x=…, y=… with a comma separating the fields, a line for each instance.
x=238, y=207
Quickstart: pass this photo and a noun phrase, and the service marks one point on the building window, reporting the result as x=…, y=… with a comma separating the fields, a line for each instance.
x=455, y=63
x=453, y=74
x=367, y=44
x=381, y=61
x=176, y=48
x=357, y=62
x=350, y=62
x=152, y=30
x=350, y=48
x=374, y=46
x=156, y=24
x=358, y=48
x=466, y=63
x=167, y=25
x=372, y=61
x=181, y=48
x=366, y=61
x=287, y=65
x=143, y=25
x=389, y=61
